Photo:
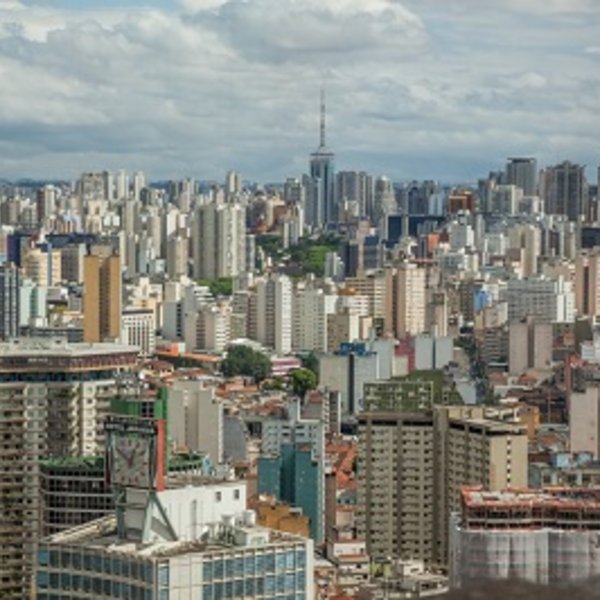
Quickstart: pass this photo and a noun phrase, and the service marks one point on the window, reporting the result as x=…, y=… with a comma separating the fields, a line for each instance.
x=236, y=494
x=218, y=496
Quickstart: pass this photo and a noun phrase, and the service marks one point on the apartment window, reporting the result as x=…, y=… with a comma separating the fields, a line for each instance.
x=218, y=496
x=236, y=494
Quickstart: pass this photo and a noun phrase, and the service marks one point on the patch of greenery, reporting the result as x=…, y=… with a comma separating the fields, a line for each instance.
x=218, y=287
x=303, y=380
x=243, y=360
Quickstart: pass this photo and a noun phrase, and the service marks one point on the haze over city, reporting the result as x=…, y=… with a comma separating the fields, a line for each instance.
x=416, y=89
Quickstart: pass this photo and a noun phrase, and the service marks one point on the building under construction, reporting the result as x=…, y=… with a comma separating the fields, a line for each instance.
x=544, y=536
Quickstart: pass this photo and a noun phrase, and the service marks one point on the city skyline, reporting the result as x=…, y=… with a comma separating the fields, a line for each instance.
x=414, y=89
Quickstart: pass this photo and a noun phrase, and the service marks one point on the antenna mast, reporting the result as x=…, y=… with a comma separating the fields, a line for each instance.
x=322, y=129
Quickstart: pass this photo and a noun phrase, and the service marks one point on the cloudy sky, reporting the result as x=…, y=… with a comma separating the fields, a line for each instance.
x=443, y=89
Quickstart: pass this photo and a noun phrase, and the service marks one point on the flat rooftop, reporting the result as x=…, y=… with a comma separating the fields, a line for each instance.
x=102, y=535
x=59, y=348
x=568, y=498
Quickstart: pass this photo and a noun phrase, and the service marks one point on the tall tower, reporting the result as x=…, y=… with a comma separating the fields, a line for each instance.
x=322, y=208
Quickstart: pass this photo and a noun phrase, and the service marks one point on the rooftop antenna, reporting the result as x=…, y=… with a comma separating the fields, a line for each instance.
x=322, y=128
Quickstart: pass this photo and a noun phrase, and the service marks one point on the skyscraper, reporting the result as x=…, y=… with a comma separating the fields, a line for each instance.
x=522, y=172
x=101, y=295
x=9, y=301
x=322, y=207
x=565, y=190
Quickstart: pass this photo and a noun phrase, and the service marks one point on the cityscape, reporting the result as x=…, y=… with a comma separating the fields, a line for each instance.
x=331, y=383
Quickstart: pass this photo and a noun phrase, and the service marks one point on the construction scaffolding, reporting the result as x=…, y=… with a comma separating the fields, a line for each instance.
x=543, y=536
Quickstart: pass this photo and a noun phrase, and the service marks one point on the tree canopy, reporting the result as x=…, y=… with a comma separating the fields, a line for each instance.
x=303, y=380
x=223, y=286
x=243, y=360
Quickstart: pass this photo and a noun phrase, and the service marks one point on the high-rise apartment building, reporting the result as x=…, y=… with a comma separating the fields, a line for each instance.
x=274, y=313
x=219, y=241
x=177, y=256
x=101, y=295
x=9, y=301
x=321, y=203
x=410, y=300
x=522, y=172
x=54, y=397
x=413, y=460
x=311, y=308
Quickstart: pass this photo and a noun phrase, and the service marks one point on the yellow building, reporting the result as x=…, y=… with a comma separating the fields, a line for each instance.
x=274, y=515
x=101, y=295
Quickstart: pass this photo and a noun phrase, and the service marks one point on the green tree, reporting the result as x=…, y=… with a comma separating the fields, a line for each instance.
x=218, y=287
x=243, y=360
x=303, y=380
x=311, y=362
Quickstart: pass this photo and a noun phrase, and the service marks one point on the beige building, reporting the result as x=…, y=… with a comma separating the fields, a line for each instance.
x=43, y=267
x=584, y=421
x=101, y=295
x=412, y=465
x=410, y=300
x=529, y=346
x=374, y=287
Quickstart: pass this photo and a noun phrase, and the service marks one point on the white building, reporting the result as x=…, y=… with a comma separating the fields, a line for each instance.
x=548, y=300
x=196, y=418
x=195, y=541
x=138, y=328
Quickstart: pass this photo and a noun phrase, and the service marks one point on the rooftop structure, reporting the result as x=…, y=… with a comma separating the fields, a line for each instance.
x=189, y=542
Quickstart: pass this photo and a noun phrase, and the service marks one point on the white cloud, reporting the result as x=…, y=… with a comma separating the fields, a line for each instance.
x=414, y=88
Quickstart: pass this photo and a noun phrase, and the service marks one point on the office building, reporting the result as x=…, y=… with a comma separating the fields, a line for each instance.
x=542, y=536
x=54, y=397
x=9, y=301
x=199, y=542
x=413, y=461
x=102, y=295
